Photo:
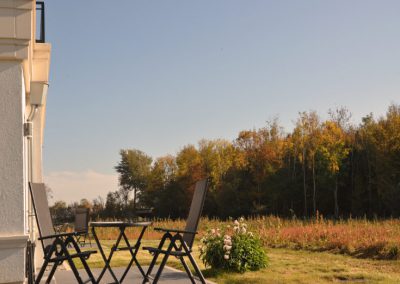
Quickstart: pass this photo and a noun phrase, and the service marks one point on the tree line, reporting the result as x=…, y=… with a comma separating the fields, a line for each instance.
x=328, y=166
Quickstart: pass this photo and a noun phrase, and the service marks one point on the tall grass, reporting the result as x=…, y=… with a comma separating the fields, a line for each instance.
x=360, y=238
x=363, y=238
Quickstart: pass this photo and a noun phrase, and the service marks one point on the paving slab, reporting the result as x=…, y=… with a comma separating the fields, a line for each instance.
x=169, y=276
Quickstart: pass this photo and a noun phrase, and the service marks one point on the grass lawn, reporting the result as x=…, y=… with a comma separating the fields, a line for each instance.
x=285, y=266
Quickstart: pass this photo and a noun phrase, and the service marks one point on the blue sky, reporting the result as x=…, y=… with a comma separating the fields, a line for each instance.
x=157, y=75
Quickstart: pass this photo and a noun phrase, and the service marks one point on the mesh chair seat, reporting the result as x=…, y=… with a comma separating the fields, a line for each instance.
x=54, y=244
x=81, y=225
x=180, y=241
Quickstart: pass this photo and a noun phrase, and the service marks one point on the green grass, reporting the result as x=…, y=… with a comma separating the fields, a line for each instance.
x=286, y=266
x=297, y=266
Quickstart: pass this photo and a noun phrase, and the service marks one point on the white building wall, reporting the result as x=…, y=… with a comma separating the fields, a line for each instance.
x=13, y=235
x=22, y=62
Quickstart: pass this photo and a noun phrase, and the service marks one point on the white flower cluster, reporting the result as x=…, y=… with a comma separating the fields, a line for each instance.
x=227, y=246
x=239, y=226
x=215, y=235
x=216, y=232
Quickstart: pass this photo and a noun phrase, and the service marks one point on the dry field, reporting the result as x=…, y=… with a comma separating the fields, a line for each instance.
x=359, y=238
x=313, y=251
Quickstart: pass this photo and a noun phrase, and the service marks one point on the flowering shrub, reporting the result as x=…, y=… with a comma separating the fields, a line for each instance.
x=233, y=249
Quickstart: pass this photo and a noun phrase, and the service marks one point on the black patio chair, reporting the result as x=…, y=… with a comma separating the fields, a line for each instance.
x=81, y=226
x=180, y=241
x=55, y=245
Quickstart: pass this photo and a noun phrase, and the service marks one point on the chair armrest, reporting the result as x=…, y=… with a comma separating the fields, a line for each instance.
x=143, y=224
x=57, y=235
x=175, y=231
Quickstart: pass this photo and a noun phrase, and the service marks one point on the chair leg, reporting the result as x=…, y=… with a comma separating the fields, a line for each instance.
x=70, y=261
x=84, y=241
x=47, y=257
x=187, y=269
x=150, y=269
x=197, y=269
x=193, y=262
x=154, y=260
x=52, y=271
x=88, y=271
x=78, y=237
x=161, y=268
x=41, y=272
x=90, y=241
x=83, y=260
x=164, y=261
x=75, y=271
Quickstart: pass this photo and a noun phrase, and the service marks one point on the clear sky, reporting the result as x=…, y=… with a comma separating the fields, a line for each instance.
x=157, y=75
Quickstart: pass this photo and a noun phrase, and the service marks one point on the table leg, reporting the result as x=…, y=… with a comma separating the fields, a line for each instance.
x=133, y=251
x=106, y=260
x=138, y=246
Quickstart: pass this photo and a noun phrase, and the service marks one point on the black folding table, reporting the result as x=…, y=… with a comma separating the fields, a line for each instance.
x=132, y=249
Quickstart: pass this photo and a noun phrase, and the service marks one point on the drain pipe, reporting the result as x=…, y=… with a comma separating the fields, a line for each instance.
x=29, y=135
x=37, y=99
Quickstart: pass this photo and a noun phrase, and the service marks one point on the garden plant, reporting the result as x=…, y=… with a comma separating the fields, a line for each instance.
x=233, y=248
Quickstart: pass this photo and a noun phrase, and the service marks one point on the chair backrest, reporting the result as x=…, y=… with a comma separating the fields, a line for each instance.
x=42, y=212
x=199, y=196
x=81, y=220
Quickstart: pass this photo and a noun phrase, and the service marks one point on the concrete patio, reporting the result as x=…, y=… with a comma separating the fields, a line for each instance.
x=169, y=276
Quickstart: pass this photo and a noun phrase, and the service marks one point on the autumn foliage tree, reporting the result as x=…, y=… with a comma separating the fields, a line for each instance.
x=330, y=166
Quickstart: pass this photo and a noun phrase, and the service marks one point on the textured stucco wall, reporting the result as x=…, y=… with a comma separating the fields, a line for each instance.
x=12, y=189
x=11, y=265
x=11, y=149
